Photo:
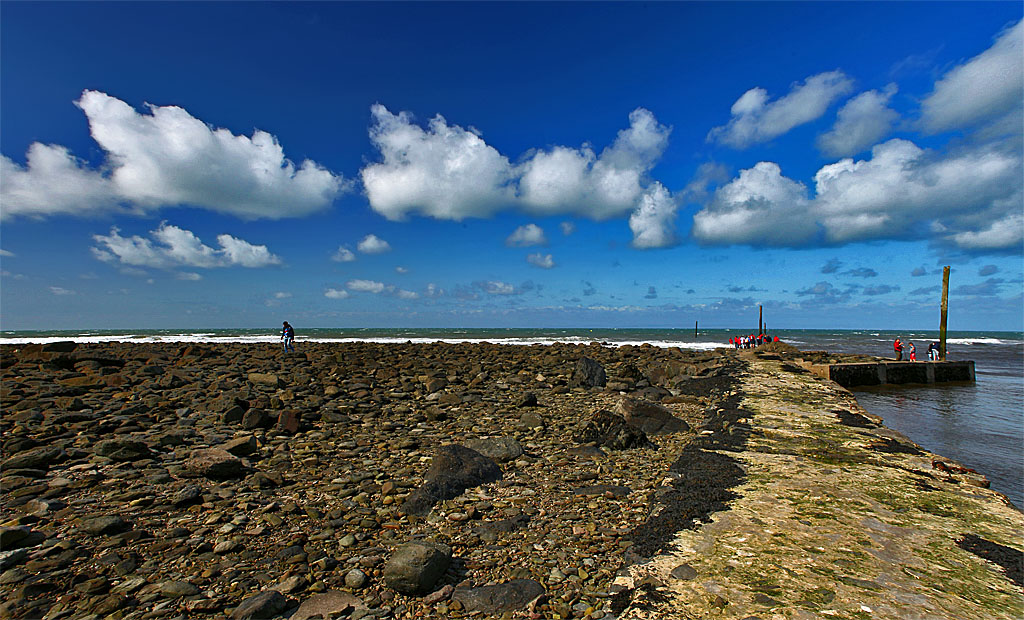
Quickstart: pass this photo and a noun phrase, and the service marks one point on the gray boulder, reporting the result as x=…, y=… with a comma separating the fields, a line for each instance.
x=651, y=418
x=266, y=604
x=216, y=464
x=454, y=469
x=500, y=598
x=500, y=449
x=416, y=567
x=587, y=374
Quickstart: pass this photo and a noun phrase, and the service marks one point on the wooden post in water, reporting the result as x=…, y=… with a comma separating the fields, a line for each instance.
x=942, y=320
x=760, y=320
x=695, y=329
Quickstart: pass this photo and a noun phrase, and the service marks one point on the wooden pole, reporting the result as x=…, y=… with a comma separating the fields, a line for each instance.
x=942, y=320
x=760, y=319
x=695, y=328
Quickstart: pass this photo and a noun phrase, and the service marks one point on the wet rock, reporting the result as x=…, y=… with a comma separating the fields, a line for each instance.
x=651, y=418
x=509, y=596
x=454, y=469
x=416, y=566
x=588, y=373
x=609, y=430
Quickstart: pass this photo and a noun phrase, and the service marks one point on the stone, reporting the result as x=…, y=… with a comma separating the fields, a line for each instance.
x=177, y=589
x=123, y=449
x=215, y=463
x=241, y=446
x=190, y=494
x=329, y=604
x=265, y=379
x=611, y=431
x=528, y=399
x=266, y=604
x=500, y=449
x=454, y=469
x=288, y=421
x=104, y=525
x=355, y=579
x=256, y=418
x=651, y=418
x=499, y=598
x=415, y=567
x=36, y=458
x=531, y=420
x=588, y=373
x=20, y=537
x=684, y=572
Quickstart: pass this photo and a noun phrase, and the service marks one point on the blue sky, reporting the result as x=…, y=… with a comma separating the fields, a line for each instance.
x=415, y=165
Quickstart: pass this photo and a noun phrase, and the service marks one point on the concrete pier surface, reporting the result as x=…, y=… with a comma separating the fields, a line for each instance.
x=893, y=373
x=834, y=516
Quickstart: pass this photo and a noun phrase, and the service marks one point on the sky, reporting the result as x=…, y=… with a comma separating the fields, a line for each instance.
x=208, y=165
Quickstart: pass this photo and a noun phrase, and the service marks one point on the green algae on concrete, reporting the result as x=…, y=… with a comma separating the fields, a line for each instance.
x=835, y=516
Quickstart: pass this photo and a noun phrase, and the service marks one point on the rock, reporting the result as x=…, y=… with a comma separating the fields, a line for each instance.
x=531, y=420
x=355, y=579
x=62, y=346
x=36, y=458
x=651, y=418
x=241, y=446
x=177, y=589
x=416, y=566
x=123, y=449
x=684, y=572
x=501, y=449
x=190, y=494
x=266, y=604
x=588, y=373
x=19, y=537
x=215, y=464
x=265, y=379
x=603, y=489
x=611, y=431
x=107, y=524
x=528, y=399
x=12, y=557
x=454, y=469
x=288, y=421
x=256, y=418
x=330, y=604
x=500, y=598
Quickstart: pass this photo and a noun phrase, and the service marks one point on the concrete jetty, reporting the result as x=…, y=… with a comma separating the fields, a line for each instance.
x=893, y=373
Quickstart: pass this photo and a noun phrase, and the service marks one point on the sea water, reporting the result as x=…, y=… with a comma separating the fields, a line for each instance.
x=979, y=425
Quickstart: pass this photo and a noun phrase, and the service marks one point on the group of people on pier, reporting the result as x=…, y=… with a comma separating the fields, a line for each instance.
x=751, y=341
x=898, y=346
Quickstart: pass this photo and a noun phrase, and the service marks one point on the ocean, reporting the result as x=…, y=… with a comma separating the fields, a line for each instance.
x=979, y=425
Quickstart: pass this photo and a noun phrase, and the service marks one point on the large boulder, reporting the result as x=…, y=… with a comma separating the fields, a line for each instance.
x=266, y=604
x=651, y=418
x=417, y=566
x=454, y=469
x=611, y=431
x=588, y=373
x=35, y=458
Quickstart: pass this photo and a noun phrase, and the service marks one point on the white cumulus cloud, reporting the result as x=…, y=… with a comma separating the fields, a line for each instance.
x=653, y=222
x=984, y=88
x=449, y=172
x=860, y=123
x=756, y=119
x=365, y=286
x=343, y=255
x=760, y=206
x=172, y=247
x=57, y=290
x=526, y=236
x=165, y=157
x=544, y=261
x=372, y=244
x=333, y=293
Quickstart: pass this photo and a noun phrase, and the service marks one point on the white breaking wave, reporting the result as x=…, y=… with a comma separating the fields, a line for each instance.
x=275, y=339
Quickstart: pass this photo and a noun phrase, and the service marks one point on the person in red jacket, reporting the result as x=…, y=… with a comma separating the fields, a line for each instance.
x=897, y=346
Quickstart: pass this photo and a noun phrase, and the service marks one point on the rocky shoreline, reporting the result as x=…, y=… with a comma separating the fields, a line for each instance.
x=413, y=481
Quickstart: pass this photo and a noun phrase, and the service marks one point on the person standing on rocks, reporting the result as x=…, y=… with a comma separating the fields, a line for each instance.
x=288, y=337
